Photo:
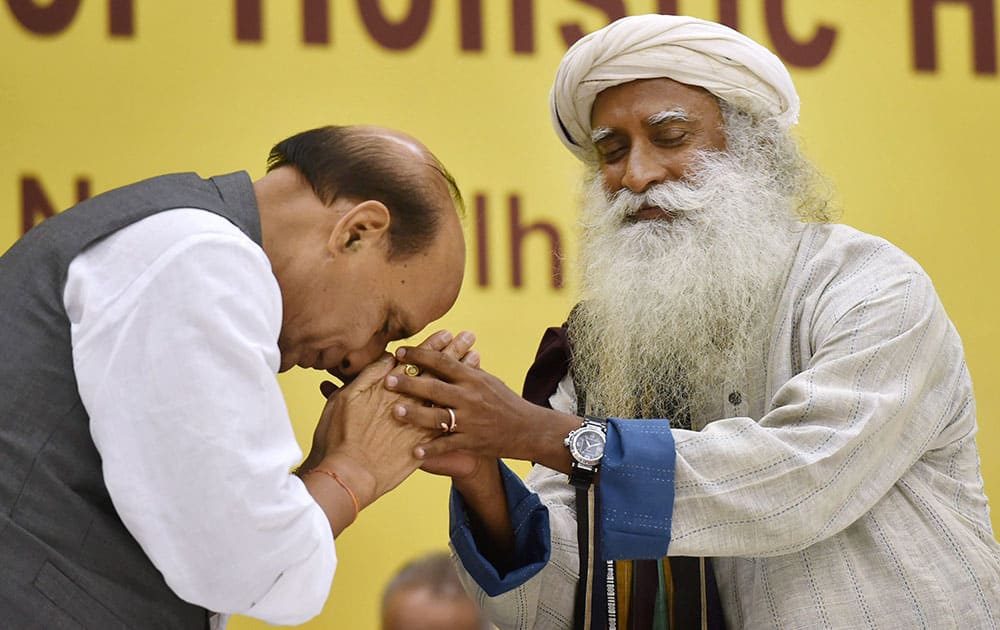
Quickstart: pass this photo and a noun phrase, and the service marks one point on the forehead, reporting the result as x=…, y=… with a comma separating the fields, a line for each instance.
x=638, y=102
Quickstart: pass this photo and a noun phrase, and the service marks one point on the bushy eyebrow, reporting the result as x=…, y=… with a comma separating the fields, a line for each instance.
x=670, y=115
x=676, y=114
x=600, y=134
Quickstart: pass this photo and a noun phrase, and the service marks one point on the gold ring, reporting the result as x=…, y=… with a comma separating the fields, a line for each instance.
x=451, y=412
x=411, y=370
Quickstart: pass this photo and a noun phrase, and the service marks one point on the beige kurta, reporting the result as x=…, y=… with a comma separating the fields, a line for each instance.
x=843, y=489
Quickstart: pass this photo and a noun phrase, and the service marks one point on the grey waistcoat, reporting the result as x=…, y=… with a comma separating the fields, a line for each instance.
x=66, y=559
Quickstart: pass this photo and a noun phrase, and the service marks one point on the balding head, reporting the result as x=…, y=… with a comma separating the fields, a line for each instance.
x=361, y=229
x=385, y=165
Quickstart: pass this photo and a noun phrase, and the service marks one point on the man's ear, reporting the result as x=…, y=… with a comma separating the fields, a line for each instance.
x=364, y=224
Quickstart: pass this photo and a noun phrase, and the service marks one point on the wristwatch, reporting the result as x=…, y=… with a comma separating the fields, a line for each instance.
x=586, y=446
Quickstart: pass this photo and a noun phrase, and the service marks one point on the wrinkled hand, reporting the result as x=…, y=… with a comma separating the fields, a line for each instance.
x=440, y=340
x=484, y=409
x=360, y=433
x=353, y=422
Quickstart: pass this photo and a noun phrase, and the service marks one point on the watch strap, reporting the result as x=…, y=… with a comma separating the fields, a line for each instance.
x=582, y=475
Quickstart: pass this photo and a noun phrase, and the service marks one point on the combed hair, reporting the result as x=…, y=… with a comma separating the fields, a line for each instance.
x=348, y=162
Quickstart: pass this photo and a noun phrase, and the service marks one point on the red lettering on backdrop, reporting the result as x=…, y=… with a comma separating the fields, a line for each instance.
x=613, y=10
x=121, y=18
x=470, y=24
x=35, y=204
x=803, y=54
x=249, y=22
x=517, y=234
x=396, y=35
x=482, y=242
x=59, y=14
x=316, y=21
x=984, y=34
x=44, y=20
x=667, y=7
x=470, y=20
x=524, y=25
x=728, y=11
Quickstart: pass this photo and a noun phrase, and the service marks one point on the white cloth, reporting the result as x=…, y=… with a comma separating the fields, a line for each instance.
x=842, y=490
x=175, y=321
x=688, y=50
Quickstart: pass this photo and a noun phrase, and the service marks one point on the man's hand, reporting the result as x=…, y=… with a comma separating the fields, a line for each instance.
x=361, y=441
x=485, y=409
x=491, y=420
x=356, y=429
x=458, y=464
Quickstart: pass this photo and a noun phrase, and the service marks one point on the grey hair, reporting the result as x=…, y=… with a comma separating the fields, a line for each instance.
x=761, y=142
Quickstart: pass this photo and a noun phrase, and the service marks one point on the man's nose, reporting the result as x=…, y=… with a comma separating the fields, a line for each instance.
x=643, y=169
x=357, y=360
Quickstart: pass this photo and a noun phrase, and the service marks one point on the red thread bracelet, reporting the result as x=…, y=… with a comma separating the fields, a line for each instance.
x=336, y=477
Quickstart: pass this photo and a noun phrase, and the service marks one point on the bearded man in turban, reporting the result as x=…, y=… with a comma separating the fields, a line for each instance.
x=765, y=420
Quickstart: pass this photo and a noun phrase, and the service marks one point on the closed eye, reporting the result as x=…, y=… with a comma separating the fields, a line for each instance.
x=671, y=137
x=612, y=153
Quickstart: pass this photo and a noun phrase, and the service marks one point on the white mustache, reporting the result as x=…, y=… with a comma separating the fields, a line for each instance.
x=676, y=198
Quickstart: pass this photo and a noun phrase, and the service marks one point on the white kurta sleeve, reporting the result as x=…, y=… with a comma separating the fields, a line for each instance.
x=174, y=324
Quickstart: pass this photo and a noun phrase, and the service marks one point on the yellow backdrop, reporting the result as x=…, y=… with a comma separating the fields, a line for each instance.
x=900, y=108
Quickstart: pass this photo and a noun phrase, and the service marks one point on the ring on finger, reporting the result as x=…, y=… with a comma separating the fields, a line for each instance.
x=452, y=426
x=411, y=370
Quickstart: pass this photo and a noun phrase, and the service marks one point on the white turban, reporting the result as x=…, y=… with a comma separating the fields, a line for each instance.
x=696, y=52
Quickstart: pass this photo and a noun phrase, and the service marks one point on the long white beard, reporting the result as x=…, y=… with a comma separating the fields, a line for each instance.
x=673, y=312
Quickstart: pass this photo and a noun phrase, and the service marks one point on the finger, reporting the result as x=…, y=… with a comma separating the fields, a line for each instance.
x=442, y=341
x=328, y=388
x=437, y=341
x=472, y=359
x=439, y=363
x=428, y=389
x=441, y=445
x=431, y=418
x=461, y=345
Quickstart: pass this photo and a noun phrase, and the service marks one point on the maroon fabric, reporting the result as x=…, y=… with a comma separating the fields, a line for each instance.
x=645, y=580
x=552, y=362
x=550, y=366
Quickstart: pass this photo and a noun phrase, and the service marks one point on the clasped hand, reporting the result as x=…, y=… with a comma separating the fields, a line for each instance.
x=356, y=429
x=484, y=409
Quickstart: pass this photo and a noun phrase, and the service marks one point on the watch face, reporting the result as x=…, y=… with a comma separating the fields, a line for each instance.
x=588, y=445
